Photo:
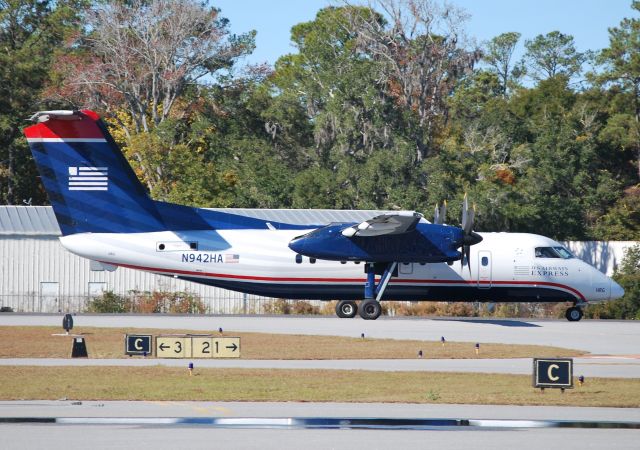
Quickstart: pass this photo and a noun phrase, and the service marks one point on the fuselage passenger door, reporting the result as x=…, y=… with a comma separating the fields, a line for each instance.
x=484, y=269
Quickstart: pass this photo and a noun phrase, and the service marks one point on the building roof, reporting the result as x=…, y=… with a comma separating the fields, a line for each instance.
x=41, y=221
x=28, y=220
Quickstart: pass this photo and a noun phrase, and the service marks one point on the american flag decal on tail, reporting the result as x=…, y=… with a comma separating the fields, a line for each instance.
x=88, y=179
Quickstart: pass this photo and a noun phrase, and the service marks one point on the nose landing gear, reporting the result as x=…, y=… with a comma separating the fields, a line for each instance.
x=574, y=314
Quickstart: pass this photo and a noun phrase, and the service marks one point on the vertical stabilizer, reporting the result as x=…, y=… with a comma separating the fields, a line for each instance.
x=91, y=186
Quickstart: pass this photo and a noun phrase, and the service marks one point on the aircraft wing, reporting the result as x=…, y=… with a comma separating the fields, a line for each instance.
x=385, y=224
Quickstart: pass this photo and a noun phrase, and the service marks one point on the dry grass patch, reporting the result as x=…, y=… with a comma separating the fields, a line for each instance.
x=162, y=383
x=38, y=342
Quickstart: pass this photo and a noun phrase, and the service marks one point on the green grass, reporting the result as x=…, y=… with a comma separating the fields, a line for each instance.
x=175, y=384
x=38, y=342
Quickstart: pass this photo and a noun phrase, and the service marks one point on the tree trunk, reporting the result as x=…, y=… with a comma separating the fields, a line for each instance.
x=12, y=173
x=636, y=90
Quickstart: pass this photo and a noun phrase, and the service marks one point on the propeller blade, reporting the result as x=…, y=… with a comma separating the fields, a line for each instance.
x=469, y=237
x=465, y=214
x=470, y=219
x=440, y=214
x=467, y=255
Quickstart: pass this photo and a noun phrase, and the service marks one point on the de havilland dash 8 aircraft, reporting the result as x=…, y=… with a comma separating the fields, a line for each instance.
x=105, y=215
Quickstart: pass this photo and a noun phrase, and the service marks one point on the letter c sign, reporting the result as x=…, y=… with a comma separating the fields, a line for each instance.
x=553, y=367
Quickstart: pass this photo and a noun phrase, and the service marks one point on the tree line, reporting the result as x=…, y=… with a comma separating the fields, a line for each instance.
x=383, y=106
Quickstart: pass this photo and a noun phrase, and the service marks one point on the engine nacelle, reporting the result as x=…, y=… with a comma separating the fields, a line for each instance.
x=427, y=243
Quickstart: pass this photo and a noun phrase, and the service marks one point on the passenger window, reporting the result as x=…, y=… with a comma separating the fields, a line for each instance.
x=485, y=261
x=546, y=252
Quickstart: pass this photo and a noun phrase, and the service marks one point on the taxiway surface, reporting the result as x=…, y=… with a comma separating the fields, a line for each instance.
x=600, y=337
x=160, y=437
x=619, y=342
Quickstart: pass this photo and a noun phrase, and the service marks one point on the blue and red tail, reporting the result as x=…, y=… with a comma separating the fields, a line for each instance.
x=91, y=186
x=93, y=189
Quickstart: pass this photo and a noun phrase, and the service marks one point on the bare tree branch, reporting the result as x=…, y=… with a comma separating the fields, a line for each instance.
x=142, y=54
x=420, y=45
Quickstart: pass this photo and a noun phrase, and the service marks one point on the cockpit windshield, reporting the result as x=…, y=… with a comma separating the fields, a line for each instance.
x=553, y=252
x=564, y=253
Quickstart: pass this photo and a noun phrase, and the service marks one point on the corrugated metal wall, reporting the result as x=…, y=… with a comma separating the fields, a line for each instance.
x=605, y=256
x=30, y=267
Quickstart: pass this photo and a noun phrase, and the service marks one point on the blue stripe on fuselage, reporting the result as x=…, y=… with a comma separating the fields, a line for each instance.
x=355, y=291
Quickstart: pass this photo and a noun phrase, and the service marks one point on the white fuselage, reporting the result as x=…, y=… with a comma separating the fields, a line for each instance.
x=504, y=267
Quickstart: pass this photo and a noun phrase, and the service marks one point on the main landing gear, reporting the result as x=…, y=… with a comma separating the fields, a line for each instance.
x=370, y=308
x=346, y=309
x=574, y=314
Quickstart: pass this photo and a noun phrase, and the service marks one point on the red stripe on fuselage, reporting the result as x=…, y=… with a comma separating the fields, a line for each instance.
x=349, y=280
x=66, y=129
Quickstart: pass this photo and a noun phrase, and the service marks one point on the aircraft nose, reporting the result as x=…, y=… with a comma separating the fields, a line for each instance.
x=615, y=290
x=297, y=244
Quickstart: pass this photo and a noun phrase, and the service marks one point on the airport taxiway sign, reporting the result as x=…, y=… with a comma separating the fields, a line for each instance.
x=215, y=347
x=173, y=346
x=138, y=344
x=226, y=347
x=197, y=346
x=553, y=373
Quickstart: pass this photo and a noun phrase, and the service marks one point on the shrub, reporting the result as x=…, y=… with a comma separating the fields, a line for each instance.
x=627, y=276
x=167, y=302
x=277, y=306
x=147, y=302
x=303, y=307
x=108, y=302
x=282, y=306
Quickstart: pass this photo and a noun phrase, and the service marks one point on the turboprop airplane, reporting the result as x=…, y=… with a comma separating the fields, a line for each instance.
x=105, y=215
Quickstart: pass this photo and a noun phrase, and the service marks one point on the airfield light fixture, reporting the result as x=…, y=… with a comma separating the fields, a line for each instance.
x=67, y=323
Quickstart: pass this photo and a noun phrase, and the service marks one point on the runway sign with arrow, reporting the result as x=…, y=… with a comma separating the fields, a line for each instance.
x=226, y=347
x=173, y=346
x=197, y=346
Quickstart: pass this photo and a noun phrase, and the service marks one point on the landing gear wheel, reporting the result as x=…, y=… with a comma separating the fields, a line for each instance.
x=573, y=314
x=370, y=309
x=346, y=309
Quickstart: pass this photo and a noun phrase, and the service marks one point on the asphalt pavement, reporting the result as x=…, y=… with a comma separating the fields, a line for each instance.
x=616, y=344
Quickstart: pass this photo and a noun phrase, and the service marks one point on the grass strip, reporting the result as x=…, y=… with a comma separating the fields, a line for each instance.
x=38, y=342
x=175, y=384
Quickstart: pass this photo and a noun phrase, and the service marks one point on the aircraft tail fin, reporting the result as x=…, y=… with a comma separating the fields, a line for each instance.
x=91, y=186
